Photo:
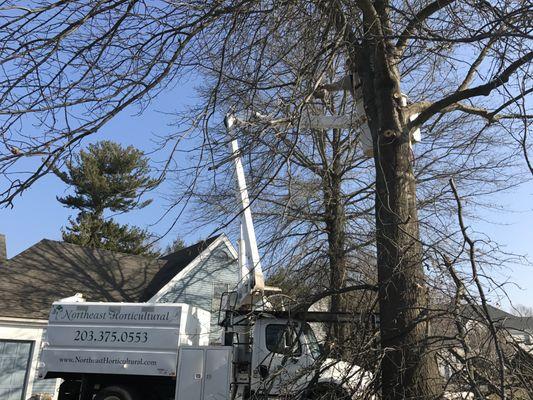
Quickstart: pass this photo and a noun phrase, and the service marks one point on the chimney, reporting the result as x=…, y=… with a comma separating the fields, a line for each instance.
x=3, y=249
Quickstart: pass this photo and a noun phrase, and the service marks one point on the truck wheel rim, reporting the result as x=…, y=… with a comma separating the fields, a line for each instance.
x=112, y=397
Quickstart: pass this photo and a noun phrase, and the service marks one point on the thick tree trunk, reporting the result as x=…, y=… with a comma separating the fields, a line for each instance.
x=409, y=369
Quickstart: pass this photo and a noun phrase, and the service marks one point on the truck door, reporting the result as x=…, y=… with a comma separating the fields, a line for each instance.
x=204, y=373
x=280, y=358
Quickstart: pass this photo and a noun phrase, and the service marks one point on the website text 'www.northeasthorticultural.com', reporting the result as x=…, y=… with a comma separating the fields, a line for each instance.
x=107, y=360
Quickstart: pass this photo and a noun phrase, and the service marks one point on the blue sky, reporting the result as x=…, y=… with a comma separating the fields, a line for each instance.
x=512, y=228
x=37, y=214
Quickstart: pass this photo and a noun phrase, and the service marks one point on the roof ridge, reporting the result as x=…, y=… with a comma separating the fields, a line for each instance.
x=207, y=241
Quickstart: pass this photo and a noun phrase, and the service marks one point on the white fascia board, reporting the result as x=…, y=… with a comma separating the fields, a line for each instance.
x=29, y=322
x=230, y=247
x=193, y=264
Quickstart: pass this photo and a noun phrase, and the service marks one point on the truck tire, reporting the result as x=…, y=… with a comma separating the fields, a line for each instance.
x=328, y=392
x=69, y=390
x=117, y=393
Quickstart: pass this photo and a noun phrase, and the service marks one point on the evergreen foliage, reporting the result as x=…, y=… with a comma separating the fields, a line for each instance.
x=107, y=177
x=176, y=245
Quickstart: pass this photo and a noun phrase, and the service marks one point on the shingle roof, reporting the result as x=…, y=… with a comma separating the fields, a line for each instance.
x=501, y=318
x=50, y=270
x=521, y=324
x=175, y=262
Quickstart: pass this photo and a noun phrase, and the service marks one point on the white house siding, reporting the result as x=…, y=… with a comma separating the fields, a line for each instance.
x=215, y=271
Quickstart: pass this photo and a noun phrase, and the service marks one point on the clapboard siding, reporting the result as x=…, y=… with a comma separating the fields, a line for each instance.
x=44, y=386
x=204, y=284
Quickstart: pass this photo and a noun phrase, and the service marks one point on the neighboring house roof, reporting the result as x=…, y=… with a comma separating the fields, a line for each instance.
x=50, y=270
x=175, y=263
x=521, y=324
x=501, y=318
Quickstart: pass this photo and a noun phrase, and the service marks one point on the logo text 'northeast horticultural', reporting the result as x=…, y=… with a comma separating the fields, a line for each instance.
x=61, y=313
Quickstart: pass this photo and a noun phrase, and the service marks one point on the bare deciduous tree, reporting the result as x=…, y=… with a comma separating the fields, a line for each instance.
x=69, y=67
x=523, y=311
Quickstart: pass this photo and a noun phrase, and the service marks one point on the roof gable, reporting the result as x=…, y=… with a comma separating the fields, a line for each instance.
x=170, y=278
x=174, y=264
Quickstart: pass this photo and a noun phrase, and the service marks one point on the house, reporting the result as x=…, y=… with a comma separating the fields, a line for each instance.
x=520, y=329
x=50, y=270
x=517, y=330
x=197, y=275
x=469, y=343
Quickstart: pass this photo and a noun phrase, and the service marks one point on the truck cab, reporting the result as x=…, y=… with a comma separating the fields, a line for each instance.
x=287, y=360
x=282, y=356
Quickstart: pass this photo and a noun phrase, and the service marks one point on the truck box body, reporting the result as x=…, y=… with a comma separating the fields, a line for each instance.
x=204, y=373
x=120, y=338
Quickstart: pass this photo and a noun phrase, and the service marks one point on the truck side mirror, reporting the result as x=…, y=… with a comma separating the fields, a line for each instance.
x=263, y=371
x=228, y=338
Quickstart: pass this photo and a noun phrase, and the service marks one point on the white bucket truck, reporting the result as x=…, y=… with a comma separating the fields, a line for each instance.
x=151, y=351
x=132, y=351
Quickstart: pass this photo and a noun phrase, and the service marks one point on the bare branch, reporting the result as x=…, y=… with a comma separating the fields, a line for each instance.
x=475, y=277
x=481, y=90
x=417, y=20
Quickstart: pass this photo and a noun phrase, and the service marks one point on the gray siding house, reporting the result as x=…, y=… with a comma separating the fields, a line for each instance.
x=50, y=270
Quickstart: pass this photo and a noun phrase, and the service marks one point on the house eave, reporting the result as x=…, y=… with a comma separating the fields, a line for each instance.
x=28, y=322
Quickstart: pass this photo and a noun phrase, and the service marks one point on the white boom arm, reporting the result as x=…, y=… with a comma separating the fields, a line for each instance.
x=251, y=274
x=314, y=121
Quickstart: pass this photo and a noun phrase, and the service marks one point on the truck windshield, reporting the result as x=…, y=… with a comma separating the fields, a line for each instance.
x=312, y=341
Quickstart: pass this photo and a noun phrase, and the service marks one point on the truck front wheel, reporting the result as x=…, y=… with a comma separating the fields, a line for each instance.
x=69, y=390
x=327, y=392
x=116, y=393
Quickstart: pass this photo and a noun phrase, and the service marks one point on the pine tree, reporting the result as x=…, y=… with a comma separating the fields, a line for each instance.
x=176, y=245
x=107, y=177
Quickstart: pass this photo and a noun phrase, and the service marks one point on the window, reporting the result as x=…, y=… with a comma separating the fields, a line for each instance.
x=218, y=289
x=14, y=363
x=314, y=347
x=283, y=339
